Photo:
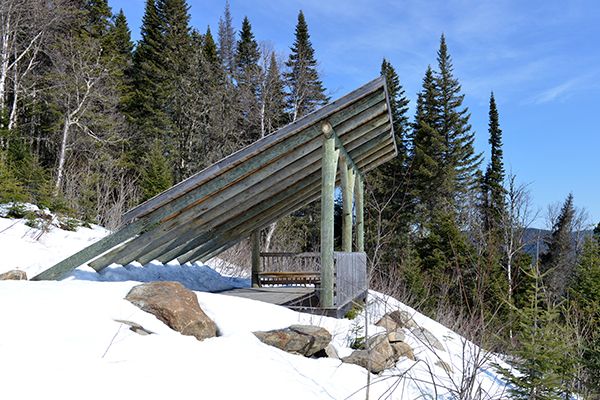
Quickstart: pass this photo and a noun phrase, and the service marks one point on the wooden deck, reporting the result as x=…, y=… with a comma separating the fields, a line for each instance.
x=283, y=296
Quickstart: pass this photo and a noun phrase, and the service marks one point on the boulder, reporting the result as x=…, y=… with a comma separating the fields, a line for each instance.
x=395, y=320
x=396, y=336
x=174, y=305
x=402, y=349
x=14, y=275
x=427, y=338
x=305, y=340
x=378, y=355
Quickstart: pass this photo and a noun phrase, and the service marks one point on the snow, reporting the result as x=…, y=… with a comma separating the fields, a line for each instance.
x=64, y=339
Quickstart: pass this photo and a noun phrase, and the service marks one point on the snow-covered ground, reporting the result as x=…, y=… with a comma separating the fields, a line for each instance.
x=63, y=339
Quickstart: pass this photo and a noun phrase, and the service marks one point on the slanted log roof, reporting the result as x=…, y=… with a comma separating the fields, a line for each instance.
x=253, y=187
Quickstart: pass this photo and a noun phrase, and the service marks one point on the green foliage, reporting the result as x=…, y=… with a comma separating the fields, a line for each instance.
x=355, y=311
x=10, y=187
x=446, y=255
x=585, y=298
x=272, y=95
x=305, y=90
x=156, y=175
x=17, y=210
x=541, y=358
x=248, y=77
x=559, y=259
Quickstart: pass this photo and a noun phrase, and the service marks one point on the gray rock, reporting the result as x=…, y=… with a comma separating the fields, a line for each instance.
x=306, y=340
x=174, y=305
x=396, y=336
x=403, y=319
x=427, y=338
x=377, y=357
x=395, y=320
x=387, y=323
x=402, y=349
x=14, y=275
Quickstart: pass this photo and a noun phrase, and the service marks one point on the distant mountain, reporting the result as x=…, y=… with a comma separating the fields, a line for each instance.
x=534, y=237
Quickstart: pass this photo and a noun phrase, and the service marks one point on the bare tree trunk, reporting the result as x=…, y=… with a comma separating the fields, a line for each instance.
x=269, y=236
x=62, y=154
x=12, y=121
x=4, y=50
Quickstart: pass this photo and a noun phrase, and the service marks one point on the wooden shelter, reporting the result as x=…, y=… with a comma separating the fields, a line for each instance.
x=234, y=198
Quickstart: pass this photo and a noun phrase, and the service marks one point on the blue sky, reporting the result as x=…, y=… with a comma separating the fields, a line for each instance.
x=541, y=59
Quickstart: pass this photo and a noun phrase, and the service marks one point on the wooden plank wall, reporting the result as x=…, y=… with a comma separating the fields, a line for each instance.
x=350, y=276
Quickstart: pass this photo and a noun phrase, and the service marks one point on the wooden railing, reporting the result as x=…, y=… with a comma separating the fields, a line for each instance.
x=350, y=272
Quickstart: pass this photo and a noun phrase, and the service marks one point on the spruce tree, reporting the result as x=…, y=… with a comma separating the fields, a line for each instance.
x=460, y=162
x=156, y=172
x=227, y=42
x=428, y=148
x=305, y=90
x=585, y=297
x=122, y=47
x=149, y=75
x=494, y=175
x=211, y=54
x=248, y=75
x=388, y=182
x=542, y=347
x=99, y=15
x=398, y=107
x=558, y=261
x=272, y=95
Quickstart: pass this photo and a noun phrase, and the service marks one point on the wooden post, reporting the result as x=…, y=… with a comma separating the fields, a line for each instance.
x=360, y=220
x=328, y=173
x=255, y=243
x=347, y=181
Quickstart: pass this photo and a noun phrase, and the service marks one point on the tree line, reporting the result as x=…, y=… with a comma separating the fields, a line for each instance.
x=92, y=124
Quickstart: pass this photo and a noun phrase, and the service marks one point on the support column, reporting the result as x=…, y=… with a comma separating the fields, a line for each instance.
x=359, y=208
x=328, y=173
x=255, y=244
x=347, y=179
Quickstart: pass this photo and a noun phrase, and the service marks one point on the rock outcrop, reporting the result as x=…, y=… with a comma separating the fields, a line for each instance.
x=174, y=305
x=306, y=340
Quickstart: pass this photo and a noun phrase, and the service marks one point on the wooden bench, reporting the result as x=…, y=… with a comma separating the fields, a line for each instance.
x=289, y=278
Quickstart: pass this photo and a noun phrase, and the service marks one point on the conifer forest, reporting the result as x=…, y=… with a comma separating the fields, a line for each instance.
x=92, y=124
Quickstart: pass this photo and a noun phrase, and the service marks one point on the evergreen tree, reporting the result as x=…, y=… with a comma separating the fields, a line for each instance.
x=122, y=46
x=398, y=107
x=494, y=175
x=210, y=51
x=99, y=15
x=542, y=347
x=585, y=296
x=460, y=163
x=149, y=75
x=272, y=99
x=156, y=172
x=227, y=42
x=11, y=188
x=559, y=261
x=305, y=89
x=428, y=148
x=388, y=182
x=248, y=75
